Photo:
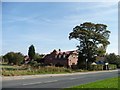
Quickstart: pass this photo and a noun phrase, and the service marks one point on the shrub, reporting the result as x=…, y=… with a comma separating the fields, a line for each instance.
x=14, y=58
x=96, y=67
x=112, y=66
x=34, y=64
x=100, y=67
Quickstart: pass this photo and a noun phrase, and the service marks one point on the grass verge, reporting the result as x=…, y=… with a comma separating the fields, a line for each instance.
x=34, y=71
x=8, y=70
x=107, y=83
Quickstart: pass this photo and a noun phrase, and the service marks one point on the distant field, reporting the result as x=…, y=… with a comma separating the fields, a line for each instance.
x=107, y=83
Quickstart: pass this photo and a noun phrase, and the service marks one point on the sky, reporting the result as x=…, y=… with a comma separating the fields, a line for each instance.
x=47, y=25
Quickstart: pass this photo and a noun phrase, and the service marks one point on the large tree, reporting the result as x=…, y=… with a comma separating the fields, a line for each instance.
x=90, y=36
x=31, y=52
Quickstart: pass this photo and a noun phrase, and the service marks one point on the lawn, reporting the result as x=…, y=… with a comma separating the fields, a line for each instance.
x=107, y=83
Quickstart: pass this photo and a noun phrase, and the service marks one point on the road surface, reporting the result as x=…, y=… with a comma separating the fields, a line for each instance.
x=57, y=81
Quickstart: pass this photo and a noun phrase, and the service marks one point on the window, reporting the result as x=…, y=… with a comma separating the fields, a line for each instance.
x=55, y=56
x=64, y=56
x=59, y=56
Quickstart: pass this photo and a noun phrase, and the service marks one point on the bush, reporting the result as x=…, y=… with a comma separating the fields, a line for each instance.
x=100, y=67
x=34, y=64
x=96, y=67
x=103, y=67
x=112, y=66
x=92, y=67
x=14, y=58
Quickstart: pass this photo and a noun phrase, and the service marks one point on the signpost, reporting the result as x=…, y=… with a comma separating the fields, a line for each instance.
x=86, y=63
x=106, y=64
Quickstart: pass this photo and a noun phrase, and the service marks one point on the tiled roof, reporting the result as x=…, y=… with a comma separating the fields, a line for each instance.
x=67, y=52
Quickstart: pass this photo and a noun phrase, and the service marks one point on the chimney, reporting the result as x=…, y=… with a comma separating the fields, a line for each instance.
x=59, y=50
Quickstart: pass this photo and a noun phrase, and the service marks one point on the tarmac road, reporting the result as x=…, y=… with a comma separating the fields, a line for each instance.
x=57, y=82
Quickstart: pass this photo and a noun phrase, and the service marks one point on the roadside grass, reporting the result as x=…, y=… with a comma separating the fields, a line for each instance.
x=100, y=84
x=8, y=70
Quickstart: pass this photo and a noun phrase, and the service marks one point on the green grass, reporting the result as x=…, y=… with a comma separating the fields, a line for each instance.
x=107, y=83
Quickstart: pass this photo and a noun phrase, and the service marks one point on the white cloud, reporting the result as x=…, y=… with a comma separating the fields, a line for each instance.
x=37, y=19
x=96, y=5
x=96, y=15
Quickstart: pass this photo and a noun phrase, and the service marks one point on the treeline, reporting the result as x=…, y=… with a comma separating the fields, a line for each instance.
x=17, y=58
x=112, y=58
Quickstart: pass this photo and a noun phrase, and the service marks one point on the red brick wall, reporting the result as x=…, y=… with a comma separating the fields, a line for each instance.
x=68, y=61
x=72, y=60
x=52, y=59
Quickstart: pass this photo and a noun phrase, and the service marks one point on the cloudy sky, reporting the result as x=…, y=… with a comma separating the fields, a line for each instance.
x=47, y=25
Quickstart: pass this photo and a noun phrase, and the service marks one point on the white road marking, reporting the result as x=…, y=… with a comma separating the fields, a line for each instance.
x=50, y=81
x=32, y=83
x=40, y=82
x=73, y=78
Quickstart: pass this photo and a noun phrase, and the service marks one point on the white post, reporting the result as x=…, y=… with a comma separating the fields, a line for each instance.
x=106, y=65
x=86, y=63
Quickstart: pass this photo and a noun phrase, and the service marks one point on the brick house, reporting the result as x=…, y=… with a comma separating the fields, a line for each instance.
x=58, y=58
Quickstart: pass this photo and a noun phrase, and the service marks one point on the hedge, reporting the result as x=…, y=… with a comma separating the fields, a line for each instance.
x=112, y=66
x=102, y=67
